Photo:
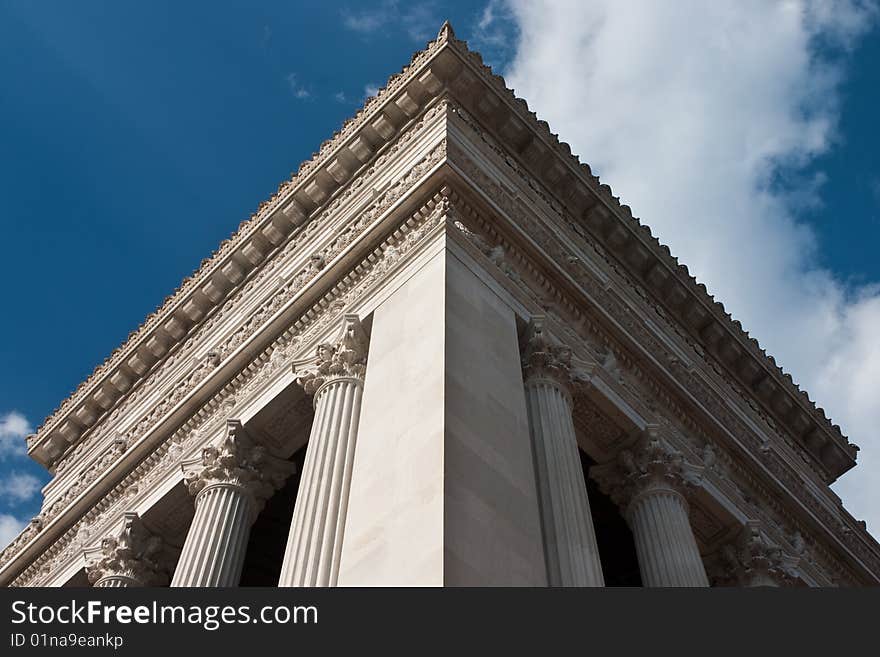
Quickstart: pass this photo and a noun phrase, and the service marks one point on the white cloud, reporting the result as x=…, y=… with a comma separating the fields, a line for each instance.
x=367, y=21
x=13, y=429
x=10, y=527
x=692, y=111
x=492, y=35
x=874, y=186
x=417, y=19
x=19, y=486
x=371, y=90
x=296, y=88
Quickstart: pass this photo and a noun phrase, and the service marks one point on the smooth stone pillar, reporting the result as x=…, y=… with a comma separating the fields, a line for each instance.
x=231, y=483
x=314, y=544
x=569, y=537
x=648, y=482
x=127, y=559
x=443, y=486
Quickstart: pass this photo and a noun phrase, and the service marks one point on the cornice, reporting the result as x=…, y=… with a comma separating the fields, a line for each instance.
x=686, y=399
x=337, y=162
x=550, y=160
x=573, y=187
x=339, y=221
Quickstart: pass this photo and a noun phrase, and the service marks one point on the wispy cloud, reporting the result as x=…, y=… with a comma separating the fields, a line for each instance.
x=10, y=527
x=874, y=186
x=18, y=486
x=13, y=428
x=297, y=89
x=418, y=20
x=367, y=21
x=340, y=97
x=371, y=89
x=495, y=33
x=691, y=111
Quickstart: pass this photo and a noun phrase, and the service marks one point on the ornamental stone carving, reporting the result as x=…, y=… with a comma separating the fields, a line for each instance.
x=649, y=481
x=544, y=360
x=231, y=483
x=345, y=358
x=648, y=464
x=753, y=559
x=237, y=461
x=132, y=557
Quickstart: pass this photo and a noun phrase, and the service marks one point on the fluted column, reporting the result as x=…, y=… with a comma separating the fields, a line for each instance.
x=569, y=537
x=230, y=482
x=649, y=482
x=128, y=558
x=753, y=559
x=314, y=544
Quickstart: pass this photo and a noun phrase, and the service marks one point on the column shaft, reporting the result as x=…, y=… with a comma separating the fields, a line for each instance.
x=762, y=579
x=114, y=581
x=665, y=543
x=215, y=546
x=569, y=537
x=314, y=544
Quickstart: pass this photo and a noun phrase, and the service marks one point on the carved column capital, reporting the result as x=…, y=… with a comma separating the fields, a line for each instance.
x=346, y=358
x=132, y=556
x=753, y=559
x=238, y=462
x=649, y=464
x=544, y=360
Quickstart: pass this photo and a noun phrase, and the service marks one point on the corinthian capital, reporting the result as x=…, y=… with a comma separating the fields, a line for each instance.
x=753, y=559
x=344, y=358
x=238, y=461
x=542, y=359
x=132, y=554
x=650, y=463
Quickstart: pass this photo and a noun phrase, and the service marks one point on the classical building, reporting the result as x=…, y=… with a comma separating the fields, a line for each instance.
x=441, y=354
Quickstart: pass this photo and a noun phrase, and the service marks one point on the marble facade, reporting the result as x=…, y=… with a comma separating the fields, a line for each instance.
x=442, y=354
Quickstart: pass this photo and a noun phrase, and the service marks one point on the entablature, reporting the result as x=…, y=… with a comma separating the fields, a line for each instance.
x=338, y=161
x=384, y=235
x=418, y=148
x=642, y=370
x=593, y=210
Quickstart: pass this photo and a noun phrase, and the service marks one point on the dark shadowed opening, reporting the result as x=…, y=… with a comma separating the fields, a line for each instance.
x=265, y=551
x=617, y=550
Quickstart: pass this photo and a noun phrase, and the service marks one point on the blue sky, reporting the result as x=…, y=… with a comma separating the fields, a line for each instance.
x=134, y=137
